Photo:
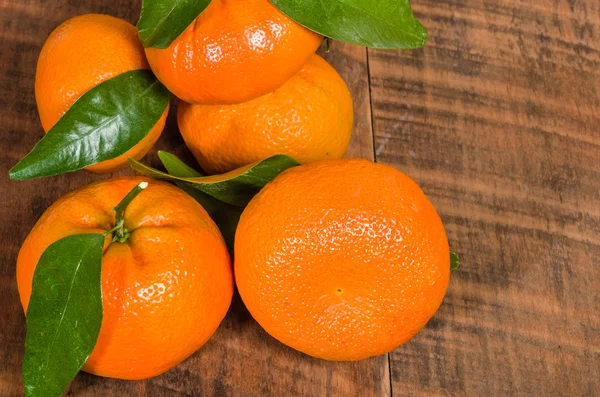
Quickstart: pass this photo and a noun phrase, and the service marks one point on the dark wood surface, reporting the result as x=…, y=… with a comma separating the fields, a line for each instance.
x=498, y=119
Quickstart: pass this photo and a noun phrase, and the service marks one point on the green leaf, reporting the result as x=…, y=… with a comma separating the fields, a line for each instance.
x=64, y=314
x=226, y=216
x=236, y=187
x=371, y=23
x=453, y=261
x=176, y=167
x=102, y=124
x=162, y=21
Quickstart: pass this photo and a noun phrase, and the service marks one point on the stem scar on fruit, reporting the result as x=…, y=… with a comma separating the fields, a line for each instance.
x=120, y=233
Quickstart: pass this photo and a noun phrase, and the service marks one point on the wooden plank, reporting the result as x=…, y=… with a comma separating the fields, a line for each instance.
x=498, y=119
x=241, y=359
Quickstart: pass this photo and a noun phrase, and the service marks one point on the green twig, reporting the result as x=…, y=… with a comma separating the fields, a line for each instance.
x=120, y=233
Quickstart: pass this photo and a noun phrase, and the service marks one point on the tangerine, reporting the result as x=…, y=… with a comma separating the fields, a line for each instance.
x=78, y=55
x=309, y=118
x=234, y=51
x=164, y=291
x=341, y=259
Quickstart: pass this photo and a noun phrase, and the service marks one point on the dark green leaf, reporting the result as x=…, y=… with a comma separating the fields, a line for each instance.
x=371, y=23
x=226, y=216
x=162, y=21
x=236, y=187
x=102, y=124
x=453, y=261
x=64, y=313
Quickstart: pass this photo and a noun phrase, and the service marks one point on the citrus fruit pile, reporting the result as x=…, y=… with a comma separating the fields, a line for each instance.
x=341, y=259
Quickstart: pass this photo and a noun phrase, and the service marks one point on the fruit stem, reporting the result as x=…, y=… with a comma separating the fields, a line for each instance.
x=120, y=233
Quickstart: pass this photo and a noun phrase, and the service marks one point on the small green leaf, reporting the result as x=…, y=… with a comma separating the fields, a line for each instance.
x=102, y=124
x=453, y=261
x=162, y=21
x=236, y=187
x=176, y=167
x=64, y=314
x=371, y=23
x=226, y=216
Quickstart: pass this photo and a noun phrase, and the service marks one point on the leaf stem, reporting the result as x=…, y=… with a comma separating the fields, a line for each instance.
x=117, y=226
x=120, y=233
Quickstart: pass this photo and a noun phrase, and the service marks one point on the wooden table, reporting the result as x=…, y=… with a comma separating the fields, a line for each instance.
x=497, y=118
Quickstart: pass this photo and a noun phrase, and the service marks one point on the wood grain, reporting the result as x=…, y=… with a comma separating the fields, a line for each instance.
x=498, y=119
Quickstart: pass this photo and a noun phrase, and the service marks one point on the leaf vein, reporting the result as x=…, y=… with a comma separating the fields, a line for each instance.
x=67, y=303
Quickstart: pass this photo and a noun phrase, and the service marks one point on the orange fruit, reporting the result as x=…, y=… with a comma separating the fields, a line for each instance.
x=80, y=54
x=309, y=118
x=234, y=51
x=164, y=291
x=341, y=259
